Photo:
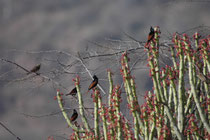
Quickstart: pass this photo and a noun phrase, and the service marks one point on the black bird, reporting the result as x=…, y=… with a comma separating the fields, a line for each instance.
x=73, y=92
x=151, y=35
x=35, y=69
x=74, y=116
x=94, y=82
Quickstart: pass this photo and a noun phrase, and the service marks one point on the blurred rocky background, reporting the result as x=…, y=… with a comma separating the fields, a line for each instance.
x=29, y=28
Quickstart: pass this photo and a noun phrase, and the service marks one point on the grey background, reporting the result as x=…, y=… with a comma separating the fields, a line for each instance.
x=68, y=25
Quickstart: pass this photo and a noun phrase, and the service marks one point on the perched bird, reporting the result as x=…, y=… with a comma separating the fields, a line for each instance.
x=74, y=116
x=151, y=35
x=73, y=92
x=203, y=78
x=94, y=82
x=35, y=69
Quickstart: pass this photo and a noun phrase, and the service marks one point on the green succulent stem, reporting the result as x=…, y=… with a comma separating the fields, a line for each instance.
x=127, y=85
x=110, y=102
x=103, y=115
x=59, y=98
x=195, y=96
x=81, y=106
x=96, y=116
x=181, y=89
x=117, y=107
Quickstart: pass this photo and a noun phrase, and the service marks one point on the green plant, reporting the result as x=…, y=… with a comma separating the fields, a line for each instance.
x=178, y=107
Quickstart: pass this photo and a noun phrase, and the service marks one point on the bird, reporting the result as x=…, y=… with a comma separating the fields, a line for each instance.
x=35, y=69
x=203, y=78
x=94, y=82
x=73, y=92
x=151, y=35
x=74, y=116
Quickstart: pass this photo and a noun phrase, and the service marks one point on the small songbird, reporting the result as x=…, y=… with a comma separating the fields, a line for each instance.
x=203, y=78
x=94, y=82
x=74, y=116
x=35, y=69
x=151, y=35
x=73, y=92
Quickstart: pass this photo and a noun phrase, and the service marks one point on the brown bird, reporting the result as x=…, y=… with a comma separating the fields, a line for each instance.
x=73, y=92
x=35, y=69
x=94, y=82
x=151, y=35
x=74, y=116
x=203, y=78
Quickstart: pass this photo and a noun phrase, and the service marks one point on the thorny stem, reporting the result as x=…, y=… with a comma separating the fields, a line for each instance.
x=60, y=103
x=81, y=106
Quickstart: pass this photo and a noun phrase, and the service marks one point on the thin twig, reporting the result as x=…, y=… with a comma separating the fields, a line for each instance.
x=18, y=138
x=80, y=59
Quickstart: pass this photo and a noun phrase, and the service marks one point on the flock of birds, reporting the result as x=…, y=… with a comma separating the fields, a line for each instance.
x=94, y=83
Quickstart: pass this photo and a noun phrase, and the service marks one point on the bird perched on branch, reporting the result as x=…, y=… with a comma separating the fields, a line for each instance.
x=35, y=69
x=151, y=35
x=94, y=82
x=74, y=116
x=73, y=92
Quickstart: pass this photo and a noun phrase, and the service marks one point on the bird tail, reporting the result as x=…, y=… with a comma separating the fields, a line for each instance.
x=67, y=94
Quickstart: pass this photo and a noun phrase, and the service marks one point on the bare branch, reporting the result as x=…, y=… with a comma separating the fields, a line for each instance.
x=18, y=138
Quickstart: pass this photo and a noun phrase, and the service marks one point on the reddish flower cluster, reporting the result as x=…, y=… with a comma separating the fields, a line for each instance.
x=148, y=108
x=50, y=138
x=127, y=132
x=204, y=48
x=73, y=136
x=60, y=94
x=196, y=36
x=95, y=98
x=192, y=127
x=76, y=80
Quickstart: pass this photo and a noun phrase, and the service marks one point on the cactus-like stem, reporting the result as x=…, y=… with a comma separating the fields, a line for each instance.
x=170, y=97
x=187, y=106
x=154, y=79
x=110, y=103
x=103, y=115
x=151, y=134
x=173, y=124
x=155, y=52
x=164, y=85
x=146, y=125
x=81, y=106
x=205, y=49
x=117, y=107
x=174, y=91
x=181, y=89
x=195, y=96
x=77, y=136
x=173, y=57
x=128, y=89
x=110, y=86
x=127, y=127
x=96, y=116
x=65, y=114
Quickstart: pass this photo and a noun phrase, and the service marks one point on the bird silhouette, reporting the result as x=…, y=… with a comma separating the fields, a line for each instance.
x=151, y=35
x=74, y=116
x=73, y=92
x=35, y=69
